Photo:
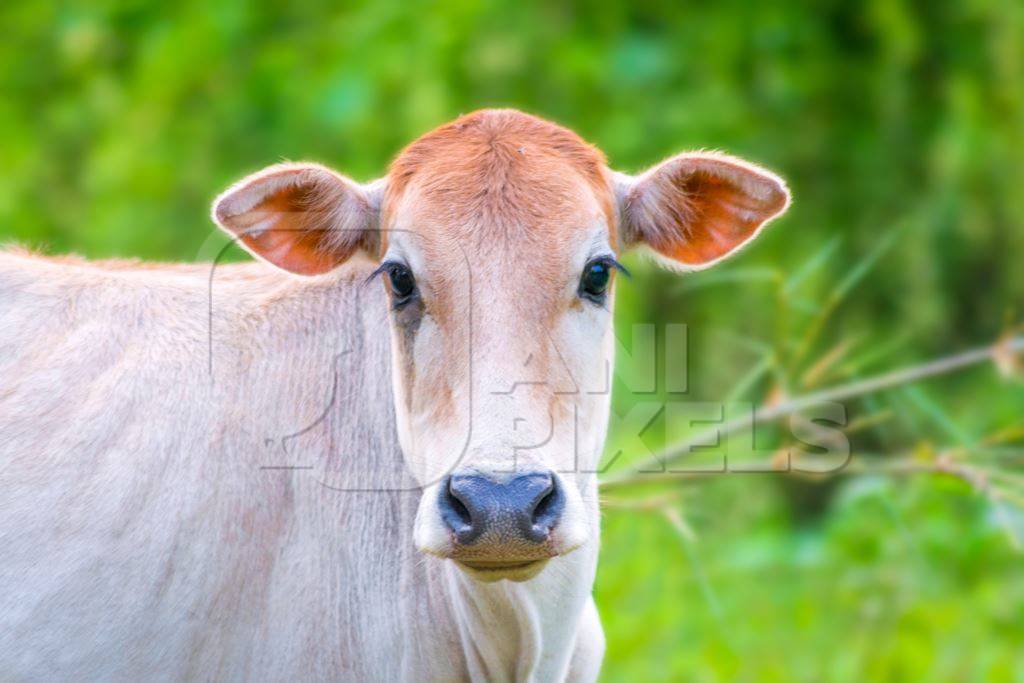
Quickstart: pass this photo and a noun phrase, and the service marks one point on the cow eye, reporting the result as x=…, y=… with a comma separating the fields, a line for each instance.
x=401, y=281
x=595, y=279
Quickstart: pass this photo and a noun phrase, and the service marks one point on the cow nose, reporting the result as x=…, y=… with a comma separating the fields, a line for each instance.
x=524, y=507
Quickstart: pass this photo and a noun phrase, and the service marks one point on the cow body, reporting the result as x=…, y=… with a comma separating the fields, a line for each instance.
x=145, y=538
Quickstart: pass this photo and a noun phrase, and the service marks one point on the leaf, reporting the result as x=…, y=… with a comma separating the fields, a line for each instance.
x=812, y=264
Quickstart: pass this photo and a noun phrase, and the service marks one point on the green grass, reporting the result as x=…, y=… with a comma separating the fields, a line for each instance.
x=898, y=580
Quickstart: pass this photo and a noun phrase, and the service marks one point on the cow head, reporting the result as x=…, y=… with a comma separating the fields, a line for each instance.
x=497, y=239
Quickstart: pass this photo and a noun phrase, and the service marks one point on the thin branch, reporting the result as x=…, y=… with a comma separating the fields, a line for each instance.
x=985, y=480
x=659, y=463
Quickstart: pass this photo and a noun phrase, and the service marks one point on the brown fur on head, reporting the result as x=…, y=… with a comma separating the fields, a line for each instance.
x=497, y=163
x=499, y=188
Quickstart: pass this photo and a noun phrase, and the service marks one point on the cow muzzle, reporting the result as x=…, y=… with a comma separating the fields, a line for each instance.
x=501, y=526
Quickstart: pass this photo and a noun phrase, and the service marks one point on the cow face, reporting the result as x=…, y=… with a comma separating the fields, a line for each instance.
x=497, y=240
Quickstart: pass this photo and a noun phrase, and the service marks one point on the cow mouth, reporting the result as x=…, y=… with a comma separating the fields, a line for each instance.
x=490, y=571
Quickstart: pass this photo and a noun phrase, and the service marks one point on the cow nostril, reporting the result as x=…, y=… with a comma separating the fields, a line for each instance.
x=546, y=512
x=459, y=508
x=456, y=513
x=544, y=501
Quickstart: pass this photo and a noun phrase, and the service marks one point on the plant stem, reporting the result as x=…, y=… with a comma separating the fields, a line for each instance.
x=658, y=464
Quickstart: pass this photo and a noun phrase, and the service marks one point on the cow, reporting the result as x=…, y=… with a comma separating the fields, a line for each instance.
x=374, y=460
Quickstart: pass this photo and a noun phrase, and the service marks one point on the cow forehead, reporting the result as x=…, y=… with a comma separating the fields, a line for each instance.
x=500, y=179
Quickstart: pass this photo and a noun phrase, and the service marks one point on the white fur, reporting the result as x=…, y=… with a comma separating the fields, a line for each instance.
x=142, y=541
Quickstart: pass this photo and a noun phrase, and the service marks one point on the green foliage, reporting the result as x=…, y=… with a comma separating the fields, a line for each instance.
x=900, y=127
x=900, y=581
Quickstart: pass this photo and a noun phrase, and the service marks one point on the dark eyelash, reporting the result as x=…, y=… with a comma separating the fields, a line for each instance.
x=611, y=262
x=381, y=269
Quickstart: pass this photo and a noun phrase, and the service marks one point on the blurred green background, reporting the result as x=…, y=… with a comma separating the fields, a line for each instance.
x=900, y=128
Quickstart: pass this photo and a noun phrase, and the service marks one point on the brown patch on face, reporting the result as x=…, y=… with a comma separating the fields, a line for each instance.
x=513, y=199
x=560, y=406
x=407, y=323
x=501, y=164
x=507, y=194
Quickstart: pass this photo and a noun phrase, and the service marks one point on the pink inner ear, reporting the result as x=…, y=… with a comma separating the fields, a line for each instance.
x=698, y=210
x=294, y=226
x=299, y=238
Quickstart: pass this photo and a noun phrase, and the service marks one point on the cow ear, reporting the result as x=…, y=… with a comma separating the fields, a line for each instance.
x=694, y=210
x=303, y=218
